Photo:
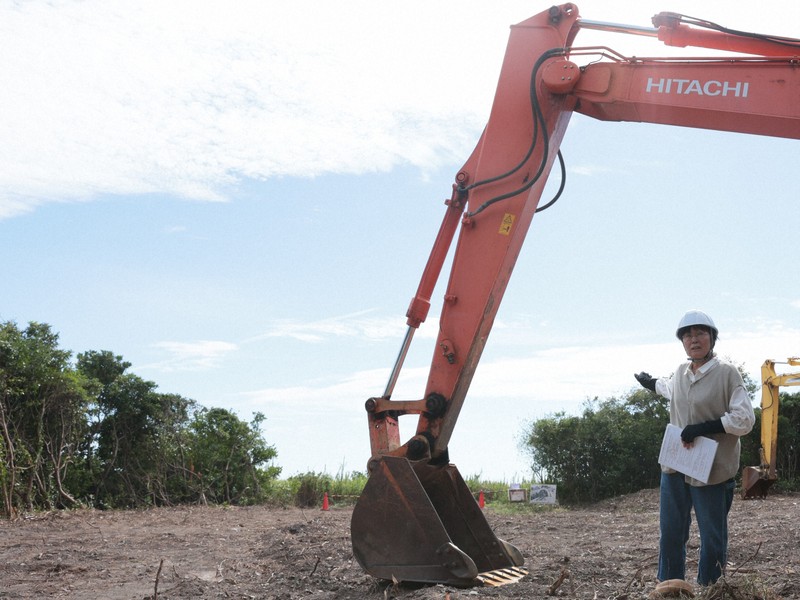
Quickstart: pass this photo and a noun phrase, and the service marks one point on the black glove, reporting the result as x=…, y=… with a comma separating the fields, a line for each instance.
x=692, y=431
x=646, y=381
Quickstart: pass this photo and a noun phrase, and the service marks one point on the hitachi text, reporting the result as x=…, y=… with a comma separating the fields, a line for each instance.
x=738, y=89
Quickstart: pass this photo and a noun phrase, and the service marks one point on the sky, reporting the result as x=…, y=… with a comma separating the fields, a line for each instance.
x=240, y=198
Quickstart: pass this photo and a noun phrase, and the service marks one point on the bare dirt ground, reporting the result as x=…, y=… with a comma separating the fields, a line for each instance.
x=607, y=550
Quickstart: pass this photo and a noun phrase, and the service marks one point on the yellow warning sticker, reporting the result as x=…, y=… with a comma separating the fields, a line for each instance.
x=508, y=222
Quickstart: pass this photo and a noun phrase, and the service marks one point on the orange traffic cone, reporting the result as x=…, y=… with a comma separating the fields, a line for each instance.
x=325, y=505
x=481, y=501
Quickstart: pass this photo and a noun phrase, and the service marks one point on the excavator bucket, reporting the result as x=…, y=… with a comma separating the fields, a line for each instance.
x=756, y=481
x=417, y=522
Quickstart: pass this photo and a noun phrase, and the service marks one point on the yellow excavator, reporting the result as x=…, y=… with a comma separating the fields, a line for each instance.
x=756, y=481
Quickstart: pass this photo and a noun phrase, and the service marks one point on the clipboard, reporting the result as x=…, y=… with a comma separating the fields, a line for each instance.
x=695, y=461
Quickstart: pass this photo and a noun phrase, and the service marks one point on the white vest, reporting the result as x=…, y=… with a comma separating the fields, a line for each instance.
x=706, y=399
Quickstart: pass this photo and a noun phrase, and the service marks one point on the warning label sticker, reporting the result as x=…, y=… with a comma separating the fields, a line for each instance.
x=507, y=223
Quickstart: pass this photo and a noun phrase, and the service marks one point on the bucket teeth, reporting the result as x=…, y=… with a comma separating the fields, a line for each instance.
x=500, y=577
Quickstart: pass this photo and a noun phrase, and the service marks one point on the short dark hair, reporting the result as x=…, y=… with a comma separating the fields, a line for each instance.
x=710, y=330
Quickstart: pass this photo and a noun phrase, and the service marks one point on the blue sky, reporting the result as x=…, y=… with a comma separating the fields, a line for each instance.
x=241, y=205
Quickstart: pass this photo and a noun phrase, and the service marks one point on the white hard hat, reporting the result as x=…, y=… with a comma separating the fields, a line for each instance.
x=696, y=317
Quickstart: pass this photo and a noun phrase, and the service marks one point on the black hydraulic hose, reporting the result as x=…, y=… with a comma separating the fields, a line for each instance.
x=784, y=41
x=538, y=120
x=560, y=188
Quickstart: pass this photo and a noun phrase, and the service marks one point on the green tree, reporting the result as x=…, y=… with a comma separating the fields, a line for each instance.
x=103, y=366
x=227, y=457
x=95, y=433
x=136, y=436
x=611, y=448
x=42, y=417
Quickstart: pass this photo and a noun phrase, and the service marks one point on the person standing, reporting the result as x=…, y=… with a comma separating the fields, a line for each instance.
x=707, y=397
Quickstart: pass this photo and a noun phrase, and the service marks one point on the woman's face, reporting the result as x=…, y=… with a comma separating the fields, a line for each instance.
x=696, y=342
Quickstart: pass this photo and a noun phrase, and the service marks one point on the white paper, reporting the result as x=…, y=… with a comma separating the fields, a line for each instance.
x=695, y=461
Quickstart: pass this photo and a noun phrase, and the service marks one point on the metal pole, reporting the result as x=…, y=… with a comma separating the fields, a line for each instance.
x=617, y=28
x=401, y=357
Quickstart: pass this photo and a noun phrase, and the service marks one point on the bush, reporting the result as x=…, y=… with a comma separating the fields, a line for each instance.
x=611, y=449
x=311, y=488
x=308, y=489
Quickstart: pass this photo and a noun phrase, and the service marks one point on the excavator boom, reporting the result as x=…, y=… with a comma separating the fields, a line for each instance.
x=416, y=520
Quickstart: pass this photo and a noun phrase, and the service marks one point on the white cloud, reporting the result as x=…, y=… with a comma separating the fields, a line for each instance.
x=355, y=325
x=560, y=378
x=322, y=394
x=187, y=98
x=587, y=170
x=560, y=373
x=505, y=393
x=192, y=356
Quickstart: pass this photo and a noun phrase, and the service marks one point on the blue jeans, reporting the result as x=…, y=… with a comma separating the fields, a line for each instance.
x=711, y=505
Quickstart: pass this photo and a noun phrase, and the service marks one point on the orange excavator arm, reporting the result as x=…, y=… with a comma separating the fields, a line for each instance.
x=416, y=519
x=755, y=95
